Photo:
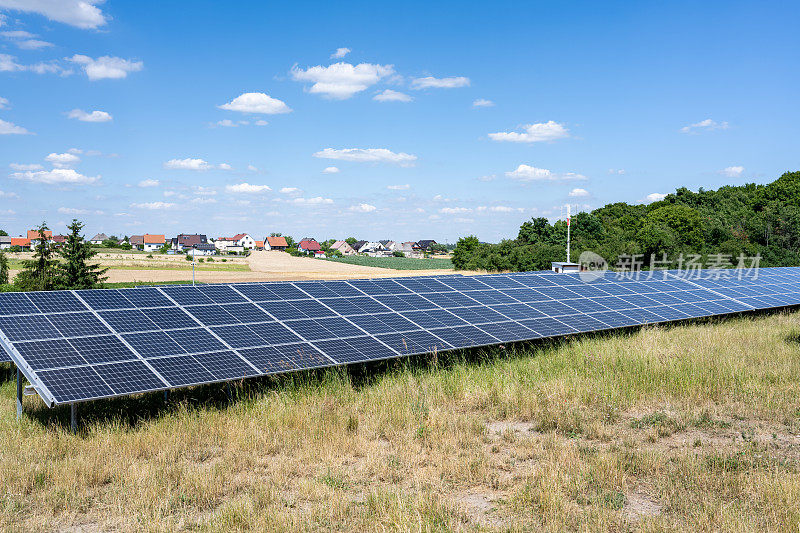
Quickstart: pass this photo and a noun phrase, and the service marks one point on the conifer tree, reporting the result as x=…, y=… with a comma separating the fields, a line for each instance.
x=3, y=268
x=76, y=271
x=40, y=273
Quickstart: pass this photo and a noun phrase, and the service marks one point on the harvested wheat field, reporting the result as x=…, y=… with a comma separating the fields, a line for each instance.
x=690, y=427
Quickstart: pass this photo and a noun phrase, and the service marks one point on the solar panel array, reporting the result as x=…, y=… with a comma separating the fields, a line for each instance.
x=83, y=345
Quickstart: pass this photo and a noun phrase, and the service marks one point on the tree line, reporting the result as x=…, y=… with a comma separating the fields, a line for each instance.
x=67, y=266
x=730, y=222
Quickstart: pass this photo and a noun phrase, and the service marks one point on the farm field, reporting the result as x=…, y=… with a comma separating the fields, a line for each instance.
x=397, y=263
x=126, y=267
x=688, y=427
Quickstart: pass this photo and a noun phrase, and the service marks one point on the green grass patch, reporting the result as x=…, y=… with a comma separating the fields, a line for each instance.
x=397, y=263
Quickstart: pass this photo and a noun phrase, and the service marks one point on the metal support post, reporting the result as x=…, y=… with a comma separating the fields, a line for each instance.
x=73, y=417
x=166, y=396
x=19, y=394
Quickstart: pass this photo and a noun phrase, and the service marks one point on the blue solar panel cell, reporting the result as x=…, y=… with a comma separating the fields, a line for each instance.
x=526, y=295
x=273, y=333
x=103, y=349
x=584, y=323
x=55, y=302
x=214, y=315
x=182, y=370
x=517, y=311
x=507, y=331
x=145, y=297
x=104, y=299
x=407, y=302
x=383, y=323
x=187, y=295
x=257, y=292
x=221, y=294
x=355, y=350
x=464, y=336
x=153, y=344
x=79, y=325
x=285, y=358
x=127, y=320
x=49, y=354
x=129, y=377
x=238, y=336
x=553, y=308
x=16, y=303
x=225, y=365
x=433, y=318
x=478, y=315
x=414, y=342
x=547, y=327
x=195, y=340
x=28, y=327
x=296, y=309
x=170, y=318
x=614, y=319
x=77, y=383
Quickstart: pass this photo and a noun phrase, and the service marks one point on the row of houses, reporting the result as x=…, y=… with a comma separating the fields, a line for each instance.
x=384, y=247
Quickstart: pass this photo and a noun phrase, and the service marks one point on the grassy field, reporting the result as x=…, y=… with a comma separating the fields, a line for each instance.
x=397, y=263
x=689, y=428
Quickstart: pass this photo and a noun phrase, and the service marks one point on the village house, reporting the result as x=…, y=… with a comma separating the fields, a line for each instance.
x=137, y=241
x=22, y=242
x=5, y=242
x=309, y=246
x=153, y=243
x=203, y=248
x=275, y=243
x=184, y=241
x=368, y=247
x=343, y=247
x=425, y=245
x=98, y=239
x=33, y=236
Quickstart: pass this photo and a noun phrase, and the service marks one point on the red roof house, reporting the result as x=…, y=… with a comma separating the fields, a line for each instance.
x=308, y=245
x=276, y=243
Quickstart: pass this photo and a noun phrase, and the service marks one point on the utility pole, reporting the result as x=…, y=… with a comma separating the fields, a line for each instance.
x=568, y=222
x=193, y=250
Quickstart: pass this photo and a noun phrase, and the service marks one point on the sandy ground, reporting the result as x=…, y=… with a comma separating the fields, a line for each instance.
x=266, y=266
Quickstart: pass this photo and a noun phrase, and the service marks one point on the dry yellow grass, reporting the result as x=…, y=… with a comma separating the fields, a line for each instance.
x=691, y=428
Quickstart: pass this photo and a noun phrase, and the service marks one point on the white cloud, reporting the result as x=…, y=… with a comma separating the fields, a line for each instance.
x=389, y=95
x=79, y=13
x=454, y=210
x=106, y=67
x=72, y=211
x=340, y=53
x=149, y=182
x=430, y=82
x=317, y=200
x=732, y=172
x=578, y=193
x=252, y=168
x=32, y=44
x=94, y=116
x=224, y=166
x=203, y=201
x=541, y=132
x=260, y=122
x=20, y=166
x=654, y=197
x=341, y=80
x=9, y=128
x=187, y=164
x=256, y=103
x=482, y=102
x=152, y=206
x=619, y=171
x=399, y=187
x=4, y=194
x=704, y=125
x=488, y=177
x=290, y=190
x=57, y=176
x=497, y=209
x=204, y=191
x=363, y=208
x=330, y=170
x=8, y=63
x=226, y=123
x=530, y=173
x=247, y=188
x=62, y=160
x=3, y=103
x=367, y=155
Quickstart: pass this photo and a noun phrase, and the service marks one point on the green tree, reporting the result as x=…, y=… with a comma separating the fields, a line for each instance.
x=351, y=240
x=76, y=271
x=3, y=233
x=40, y=273
x=536, y=230
x=3, y=268
x=463, y=251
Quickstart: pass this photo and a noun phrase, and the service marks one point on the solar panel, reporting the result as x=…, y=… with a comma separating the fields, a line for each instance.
x=83, y=345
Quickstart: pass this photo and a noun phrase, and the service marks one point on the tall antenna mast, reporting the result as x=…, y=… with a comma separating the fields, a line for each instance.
x=568, y=222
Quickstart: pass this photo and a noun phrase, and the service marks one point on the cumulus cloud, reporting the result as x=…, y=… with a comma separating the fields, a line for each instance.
x=341, y=80
x=57, y=176
x=224, y=166
x=654, y=197
x=363, y=208
x=149, y=182
x=540, y=132
x=487, y=177
x=704, y=125
x=340, y=53
x=187, y=164
x=21, y=166
x=373, y=155
x=531, y=173
x=454, y=210
x=9, y=128
x=482, y=102
x=430, y=82
x=260, y=122
x=62, y=160
x=72, y=211
x=226, y=123
x=399, y=187
x=247, y=188
x=25, y=40
x=497, y=209
x=290, y=190
x=106, y=67
x=203, y=200
x=732, y=172
x=3, y=103
x=389, y=95
x=619, y=171
x=330, y=170
x=256, y=103
x=317, y=200
x=82, y=14
x=578, y=193
x=8, y=63
x=153, y=206
x=94, y=116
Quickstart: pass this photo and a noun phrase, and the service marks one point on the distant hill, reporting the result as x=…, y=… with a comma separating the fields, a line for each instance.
x=719, y=225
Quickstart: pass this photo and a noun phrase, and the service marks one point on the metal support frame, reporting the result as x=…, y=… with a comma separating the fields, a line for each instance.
x=19, y=394
x=73, y=417
x=166, y=395
x=229, y=391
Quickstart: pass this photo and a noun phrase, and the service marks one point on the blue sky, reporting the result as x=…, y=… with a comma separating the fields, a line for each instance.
x=433, y=120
